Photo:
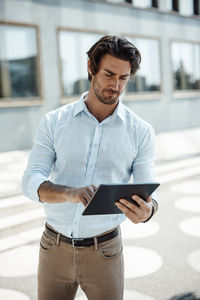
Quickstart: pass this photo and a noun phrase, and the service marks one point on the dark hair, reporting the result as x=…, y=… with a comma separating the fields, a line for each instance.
x=116, y=46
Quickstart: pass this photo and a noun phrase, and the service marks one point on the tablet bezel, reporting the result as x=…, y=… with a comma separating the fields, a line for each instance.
x=103, y=201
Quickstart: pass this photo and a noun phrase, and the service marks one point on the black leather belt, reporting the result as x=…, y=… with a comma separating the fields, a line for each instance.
x=83, y=242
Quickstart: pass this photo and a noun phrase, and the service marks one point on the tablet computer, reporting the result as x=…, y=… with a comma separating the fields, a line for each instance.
x=103, y=201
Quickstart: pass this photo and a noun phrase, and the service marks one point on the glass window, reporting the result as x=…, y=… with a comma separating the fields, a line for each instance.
x=168, y=4
x=196, y=7
x=175, y=5
x=116, y=1
x=18, y=62
x=147, y=78
x=186, y=65
x=73, y=47
x=186, y=7
x=142, y=3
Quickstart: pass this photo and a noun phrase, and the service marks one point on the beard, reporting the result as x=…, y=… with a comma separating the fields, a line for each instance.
x=105, y=96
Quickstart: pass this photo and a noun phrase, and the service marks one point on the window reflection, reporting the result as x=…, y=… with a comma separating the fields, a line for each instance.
x=73, y=47
x=148, y=76
x=142, y=3
x=18, y=62
x=186, y=65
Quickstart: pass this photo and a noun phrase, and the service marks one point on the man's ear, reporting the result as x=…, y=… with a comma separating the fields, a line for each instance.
x=89, y=67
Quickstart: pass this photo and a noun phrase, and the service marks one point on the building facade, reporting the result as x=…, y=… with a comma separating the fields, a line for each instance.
x=43, y=62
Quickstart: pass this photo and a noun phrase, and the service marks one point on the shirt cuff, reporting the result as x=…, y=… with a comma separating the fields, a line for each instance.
x=154, y=196
x=34, y=185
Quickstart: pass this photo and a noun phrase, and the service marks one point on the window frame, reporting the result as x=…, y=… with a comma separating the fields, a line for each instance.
x=27, y=101
x=172, y=12
x=181, y=94
x=153, y=5
x=158, y=95
x=196, y=7
x=69, y=99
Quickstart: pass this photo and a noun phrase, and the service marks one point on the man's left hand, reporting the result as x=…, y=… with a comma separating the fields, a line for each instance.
x=136, y=214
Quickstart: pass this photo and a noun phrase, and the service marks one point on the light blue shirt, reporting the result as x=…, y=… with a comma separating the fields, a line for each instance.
x=72, y=148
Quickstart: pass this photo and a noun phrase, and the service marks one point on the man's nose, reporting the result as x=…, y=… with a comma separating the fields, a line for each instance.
x=115, y=84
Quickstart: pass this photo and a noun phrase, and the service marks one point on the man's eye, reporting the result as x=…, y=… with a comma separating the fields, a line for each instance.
x=123, y=78
x=108, y=75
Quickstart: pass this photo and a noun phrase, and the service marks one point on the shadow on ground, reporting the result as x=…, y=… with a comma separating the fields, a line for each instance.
x=187, y=296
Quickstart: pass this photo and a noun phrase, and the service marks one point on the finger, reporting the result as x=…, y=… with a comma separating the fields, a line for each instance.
x=139, y=200
x=124, y=209
x=140, y=213
x=128, y=213
x=94, y=187
x=83, y=201
x=145, y=207
x=130, y=205
x=87, y=196
x=89, y=190
x=84, y=198
x=149, y=199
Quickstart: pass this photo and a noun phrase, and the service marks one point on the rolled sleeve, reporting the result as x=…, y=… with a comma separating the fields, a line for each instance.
x=143, y=164
x=41, y=159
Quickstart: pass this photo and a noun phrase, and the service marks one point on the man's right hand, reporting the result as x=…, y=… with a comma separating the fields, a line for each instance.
x=82, y=195
x=53, y=193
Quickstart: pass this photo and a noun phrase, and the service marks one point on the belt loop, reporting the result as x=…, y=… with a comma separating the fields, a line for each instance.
x=119, y=231
x=96, y=246
x=58, y=239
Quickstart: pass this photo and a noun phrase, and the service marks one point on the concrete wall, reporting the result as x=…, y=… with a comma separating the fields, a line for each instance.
x=165, y=113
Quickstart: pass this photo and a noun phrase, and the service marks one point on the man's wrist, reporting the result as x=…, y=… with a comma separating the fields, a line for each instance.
x=155, y=205
x=154, y=210
x=53, y=193
x=151, y=215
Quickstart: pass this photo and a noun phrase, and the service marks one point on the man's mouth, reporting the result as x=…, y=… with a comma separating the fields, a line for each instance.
x=110, y=92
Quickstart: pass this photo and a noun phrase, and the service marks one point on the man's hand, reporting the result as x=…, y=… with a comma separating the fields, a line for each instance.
x=82, y=195
x=136, y=214
x=54, y=193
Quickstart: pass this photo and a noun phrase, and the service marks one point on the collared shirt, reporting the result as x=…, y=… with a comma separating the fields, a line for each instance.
x=72, y=148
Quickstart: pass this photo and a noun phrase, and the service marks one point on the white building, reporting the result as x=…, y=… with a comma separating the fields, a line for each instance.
x=43, y=61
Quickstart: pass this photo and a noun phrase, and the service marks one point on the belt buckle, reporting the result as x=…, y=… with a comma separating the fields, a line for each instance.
x=74, y=243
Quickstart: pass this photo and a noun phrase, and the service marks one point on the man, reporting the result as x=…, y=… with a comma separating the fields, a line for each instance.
x=81, y=145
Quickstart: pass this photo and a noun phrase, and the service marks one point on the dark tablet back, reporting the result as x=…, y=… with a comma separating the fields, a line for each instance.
x=103, y=201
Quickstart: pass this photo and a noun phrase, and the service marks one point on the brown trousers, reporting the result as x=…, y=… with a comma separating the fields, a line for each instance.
x=99, y=270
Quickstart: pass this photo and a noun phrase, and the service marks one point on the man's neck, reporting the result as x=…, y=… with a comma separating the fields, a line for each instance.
x=98, y=109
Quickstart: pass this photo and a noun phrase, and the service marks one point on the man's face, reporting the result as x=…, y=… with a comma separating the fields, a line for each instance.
x=111, y=79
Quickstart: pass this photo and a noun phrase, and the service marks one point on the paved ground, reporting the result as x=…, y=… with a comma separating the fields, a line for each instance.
x=162, y=257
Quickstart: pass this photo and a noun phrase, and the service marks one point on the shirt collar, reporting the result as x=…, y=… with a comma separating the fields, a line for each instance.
x=80, y=106
x=120, y=111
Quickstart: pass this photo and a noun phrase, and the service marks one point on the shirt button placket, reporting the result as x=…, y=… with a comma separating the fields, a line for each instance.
x=93, y=155
x=89, y=173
